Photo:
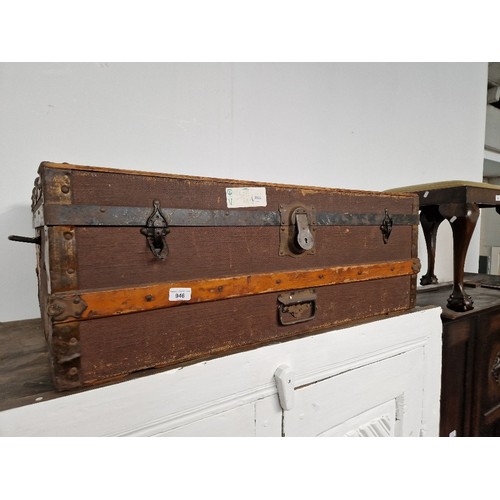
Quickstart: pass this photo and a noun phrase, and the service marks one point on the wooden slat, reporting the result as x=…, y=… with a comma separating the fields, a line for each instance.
x=112, y=302
x=93, y=170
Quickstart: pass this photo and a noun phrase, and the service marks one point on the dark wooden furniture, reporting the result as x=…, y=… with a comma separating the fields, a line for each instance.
x=459, y=203
x=470, y=381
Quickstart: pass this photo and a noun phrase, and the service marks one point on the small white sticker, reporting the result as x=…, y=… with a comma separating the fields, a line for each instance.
x=453, y=219
x=497, y=197
x=426, y=194
x=246, y=197
x=453, y=434
x=176, y=294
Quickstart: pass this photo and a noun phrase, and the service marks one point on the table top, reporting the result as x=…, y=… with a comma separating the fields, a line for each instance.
x=483, y=288
x=456, y=191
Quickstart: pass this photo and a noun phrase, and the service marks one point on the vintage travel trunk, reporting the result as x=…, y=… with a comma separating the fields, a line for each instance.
x=141, y=270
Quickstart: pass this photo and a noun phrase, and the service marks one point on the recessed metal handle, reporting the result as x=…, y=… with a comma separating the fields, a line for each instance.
x=296, y=307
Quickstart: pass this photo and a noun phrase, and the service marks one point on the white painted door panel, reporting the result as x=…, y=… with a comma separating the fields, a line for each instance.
x=260, y=419
x=397, y=381
x=236, y=422
x=376, y=422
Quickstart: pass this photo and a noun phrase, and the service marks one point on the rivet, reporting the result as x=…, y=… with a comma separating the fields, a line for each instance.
x=68, y=235
x=149, y=298
x=70, y=270
x=73, y=371
x=73, y=341
x=65, y=189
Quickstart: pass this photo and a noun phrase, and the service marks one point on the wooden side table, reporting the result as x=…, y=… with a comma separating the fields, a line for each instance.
x=459, y=203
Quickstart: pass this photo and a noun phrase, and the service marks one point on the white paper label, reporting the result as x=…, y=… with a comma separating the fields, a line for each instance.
x=246, y=197
x=497, y=197
x=426, y=194
x=176, y=294
x=453, y=219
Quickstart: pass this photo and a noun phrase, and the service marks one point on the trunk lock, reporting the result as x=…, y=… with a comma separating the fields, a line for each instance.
x=298, y=225
x=304, y=238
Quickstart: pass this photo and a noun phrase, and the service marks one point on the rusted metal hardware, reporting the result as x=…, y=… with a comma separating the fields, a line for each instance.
x=155, y=231
x=304, y=238
x=296, y=307
x=66, y=354
x=386, y=226
x=97, y=215
x=36, y=194
x=25, y=239
x=298, y=225
x=68, y=306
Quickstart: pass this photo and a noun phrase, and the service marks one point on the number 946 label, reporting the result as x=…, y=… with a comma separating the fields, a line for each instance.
x=176, y=294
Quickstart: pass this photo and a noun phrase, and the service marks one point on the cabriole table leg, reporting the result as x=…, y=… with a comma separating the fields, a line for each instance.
x=463, y=224
x=430, y=219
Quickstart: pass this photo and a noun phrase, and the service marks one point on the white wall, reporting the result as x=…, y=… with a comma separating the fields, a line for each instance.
x=492, y=132
x=352, y=125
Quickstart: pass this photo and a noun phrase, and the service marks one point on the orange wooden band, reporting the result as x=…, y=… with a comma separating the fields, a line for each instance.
x=88, y=304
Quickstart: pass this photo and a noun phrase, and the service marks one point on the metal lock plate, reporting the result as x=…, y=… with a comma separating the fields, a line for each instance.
x=296, y=306
x=304, y=238
x=297, y=228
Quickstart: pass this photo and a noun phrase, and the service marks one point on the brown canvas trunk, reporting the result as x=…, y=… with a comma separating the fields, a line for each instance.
x=140, y=270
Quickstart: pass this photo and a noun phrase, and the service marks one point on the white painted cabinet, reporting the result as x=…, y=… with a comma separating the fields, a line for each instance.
x=381, y=398
x=380, y=378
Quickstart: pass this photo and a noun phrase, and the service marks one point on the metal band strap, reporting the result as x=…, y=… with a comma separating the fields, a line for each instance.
x=89, y=304
x=94, y=215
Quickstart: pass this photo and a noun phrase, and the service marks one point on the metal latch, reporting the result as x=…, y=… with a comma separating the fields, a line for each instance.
x=386, y=226
x=296, y=306
x=155, y=231
x=303, y=237
x=297, y=231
